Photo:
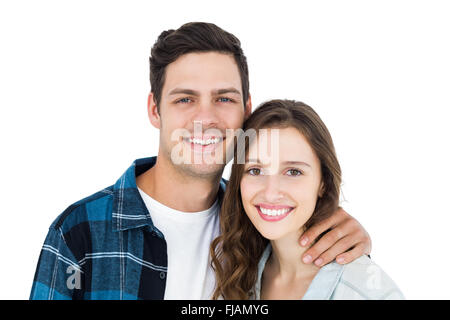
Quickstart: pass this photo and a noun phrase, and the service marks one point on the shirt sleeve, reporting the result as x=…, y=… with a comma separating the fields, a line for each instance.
x=58, y=273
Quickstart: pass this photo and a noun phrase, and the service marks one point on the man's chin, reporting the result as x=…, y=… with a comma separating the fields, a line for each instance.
x=203, y=170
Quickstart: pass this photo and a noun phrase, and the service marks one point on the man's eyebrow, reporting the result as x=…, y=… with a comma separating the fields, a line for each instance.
x=226, y=90
x=197, y=93
x=184, y=91
x=299, y=163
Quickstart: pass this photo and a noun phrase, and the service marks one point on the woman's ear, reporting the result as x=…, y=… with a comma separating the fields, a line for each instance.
x=153, y=112
x=321, y=189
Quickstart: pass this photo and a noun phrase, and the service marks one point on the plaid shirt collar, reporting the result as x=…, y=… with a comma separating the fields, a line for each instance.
x=129, y=210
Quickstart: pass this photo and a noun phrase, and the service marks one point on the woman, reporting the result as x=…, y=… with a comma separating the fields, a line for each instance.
x=290, y=180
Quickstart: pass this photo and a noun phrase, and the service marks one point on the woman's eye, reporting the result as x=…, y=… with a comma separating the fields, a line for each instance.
x=294, y=172
x=254, y=171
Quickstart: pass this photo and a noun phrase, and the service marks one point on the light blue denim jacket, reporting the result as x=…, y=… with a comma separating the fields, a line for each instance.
x=361, y=279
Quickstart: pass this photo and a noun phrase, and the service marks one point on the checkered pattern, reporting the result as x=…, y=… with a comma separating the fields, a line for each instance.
x=105, y=246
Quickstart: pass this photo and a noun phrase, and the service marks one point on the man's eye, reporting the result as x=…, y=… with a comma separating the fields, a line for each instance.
x=294, y=172
x=223, y=99
x=183, y=100
x=254, y=171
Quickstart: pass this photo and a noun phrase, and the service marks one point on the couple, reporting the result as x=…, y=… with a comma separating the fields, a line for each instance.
x=176, y=230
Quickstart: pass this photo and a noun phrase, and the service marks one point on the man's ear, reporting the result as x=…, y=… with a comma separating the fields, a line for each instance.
x=153, y=113
x=248, y=107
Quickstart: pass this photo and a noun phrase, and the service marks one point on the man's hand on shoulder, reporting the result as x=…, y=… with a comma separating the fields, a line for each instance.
x=345, y=241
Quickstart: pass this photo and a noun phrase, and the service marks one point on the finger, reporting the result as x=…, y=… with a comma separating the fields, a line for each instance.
x=324, y=243
x=310, y=235
x=352, y=254
x=344, y=244
x=367, y=242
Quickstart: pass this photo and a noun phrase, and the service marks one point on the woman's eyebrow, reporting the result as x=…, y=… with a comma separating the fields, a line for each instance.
x=250, y=161
x=254, y=160
x=298, y=163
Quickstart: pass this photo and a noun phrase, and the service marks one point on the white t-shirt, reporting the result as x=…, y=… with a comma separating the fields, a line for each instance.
x=188, y=236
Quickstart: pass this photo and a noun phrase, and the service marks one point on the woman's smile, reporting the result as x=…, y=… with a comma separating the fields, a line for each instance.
x=273, y=213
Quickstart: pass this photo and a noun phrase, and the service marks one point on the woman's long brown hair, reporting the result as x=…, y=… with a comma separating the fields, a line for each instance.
x=236, y=252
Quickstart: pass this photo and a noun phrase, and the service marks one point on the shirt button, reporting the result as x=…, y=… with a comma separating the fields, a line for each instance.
x=162, y=275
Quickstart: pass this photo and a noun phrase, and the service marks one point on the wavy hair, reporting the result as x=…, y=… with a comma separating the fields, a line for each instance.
x=236, y=252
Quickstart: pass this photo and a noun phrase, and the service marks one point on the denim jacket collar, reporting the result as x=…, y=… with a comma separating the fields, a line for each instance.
x=322, y=286
x=129, y=210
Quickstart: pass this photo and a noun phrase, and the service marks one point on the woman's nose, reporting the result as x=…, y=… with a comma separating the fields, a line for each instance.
x=272, y=190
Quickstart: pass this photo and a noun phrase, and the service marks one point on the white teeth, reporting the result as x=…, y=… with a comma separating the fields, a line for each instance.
x=204, y=142
x=271, y=212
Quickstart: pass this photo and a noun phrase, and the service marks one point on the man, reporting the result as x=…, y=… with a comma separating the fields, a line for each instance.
x=148, y=235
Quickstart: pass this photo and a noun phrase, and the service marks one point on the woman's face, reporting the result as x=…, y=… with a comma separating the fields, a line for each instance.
x=281, y=182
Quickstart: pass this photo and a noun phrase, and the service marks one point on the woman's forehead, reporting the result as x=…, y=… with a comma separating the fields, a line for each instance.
x=286, y=145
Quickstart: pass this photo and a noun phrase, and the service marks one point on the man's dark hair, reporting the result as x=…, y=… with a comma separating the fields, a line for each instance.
x=194, y=37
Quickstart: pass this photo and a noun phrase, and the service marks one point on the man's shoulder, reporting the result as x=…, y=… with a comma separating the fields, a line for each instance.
x=95, y=207
x=364, y=279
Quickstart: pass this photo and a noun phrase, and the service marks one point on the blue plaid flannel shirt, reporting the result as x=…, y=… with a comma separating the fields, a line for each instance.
x=105, y=246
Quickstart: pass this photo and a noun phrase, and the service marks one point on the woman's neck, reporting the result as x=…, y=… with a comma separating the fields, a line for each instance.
x=286, y=259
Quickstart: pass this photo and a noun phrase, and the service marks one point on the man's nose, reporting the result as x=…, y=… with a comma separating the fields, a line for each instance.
x=206, y=114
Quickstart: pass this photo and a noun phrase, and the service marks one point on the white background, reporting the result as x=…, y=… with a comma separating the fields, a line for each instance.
x=74, y=84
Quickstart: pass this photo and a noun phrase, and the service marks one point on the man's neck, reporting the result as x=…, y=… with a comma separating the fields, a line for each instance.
x=181, y=192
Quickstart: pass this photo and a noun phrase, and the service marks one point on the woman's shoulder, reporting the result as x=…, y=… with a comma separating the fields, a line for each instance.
x=364, y=279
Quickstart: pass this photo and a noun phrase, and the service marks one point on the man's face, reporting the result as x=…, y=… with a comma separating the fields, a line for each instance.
x=201, y=98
